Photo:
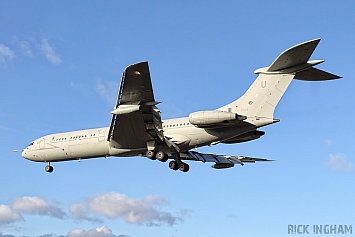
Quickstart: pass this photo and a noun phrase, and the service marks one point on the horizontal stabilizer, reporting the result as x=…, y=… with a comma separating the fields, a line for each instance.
x=296, y=55
x=314, y=74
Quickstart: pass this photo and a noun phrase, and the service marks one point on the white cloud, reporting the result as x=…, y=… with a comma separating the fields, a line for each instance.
x=7, y=215
x=5, y=235
x=49, y=53
x=339, y=161
x=108, y=90
x=75, y=85
x=141, y=211
x=31, y=206
x=5, y=53
x=4, y=128
x=81, y=212
x=37, y=206
x=328, y=142
x=26, y=48
x=102, y=231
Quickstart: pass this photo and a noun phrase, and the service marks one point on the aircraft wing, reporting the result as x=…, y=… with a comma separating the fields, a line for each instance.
x=221, y=161
x=136, y=121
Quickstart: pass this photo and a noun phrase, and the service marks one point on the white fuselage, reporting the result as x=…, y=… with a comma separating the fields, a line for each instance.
x=91, y=143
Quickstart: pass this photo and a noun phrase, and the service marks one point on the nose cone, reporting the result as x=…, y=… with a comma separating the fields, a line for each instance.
x=25, y=154
x=31, y=155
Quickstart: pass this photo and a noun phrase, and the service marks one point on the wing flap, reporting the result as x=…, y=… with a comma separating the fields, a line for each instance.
x=221, y=161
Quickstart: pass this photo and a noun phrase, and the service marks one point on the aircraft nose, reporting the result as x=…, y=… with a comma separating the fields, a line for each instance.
x=25, y=154
x=31, y=155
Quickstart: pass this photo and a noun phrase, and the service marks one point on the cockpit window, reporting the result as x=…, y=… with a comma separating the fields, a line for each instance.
x=31, y=143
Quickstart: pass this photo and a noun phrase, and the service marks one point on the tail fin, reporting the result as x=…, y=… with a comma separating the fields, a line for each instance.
x=260, y=100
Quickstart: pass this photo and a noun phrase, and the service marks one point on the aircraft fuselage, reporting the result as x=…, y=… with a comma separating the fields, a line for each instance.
x=92, y=143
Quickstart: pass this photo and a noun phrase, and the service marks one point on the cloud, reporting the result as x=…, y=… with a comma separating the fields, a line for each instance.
x=81, y=212
x=37, y=206
x=328, y=142
x=107, y=90
x=8, y=215
x=140, y=211
x=30, y=206
x=26, y=48
x=1, y=235
x=5, y=53
x=75, y=85
x=49, y=53
x=339, y=161
x=4, y=128
x=102, y=231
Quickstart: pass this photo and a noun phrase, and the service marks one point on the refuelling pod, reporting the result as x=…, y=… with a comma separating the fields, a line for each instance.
x=222, y=165
x=125, y=109
x=212, y=117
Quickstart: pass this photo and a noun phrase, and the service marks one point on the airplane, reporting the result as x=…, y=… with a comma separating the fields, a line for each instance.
x=137, y=129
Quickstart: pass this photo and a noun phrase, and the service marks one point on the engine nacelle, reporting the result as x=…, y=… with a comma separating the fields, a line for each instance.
x=213, y=117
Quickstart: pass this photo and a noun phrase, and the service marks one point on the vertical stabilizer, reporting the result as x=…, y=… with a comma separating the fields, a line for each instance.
x=260, y=100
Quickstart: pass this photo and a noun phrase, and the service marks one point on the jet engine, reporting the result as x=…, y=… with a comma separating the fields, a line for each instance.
x=213, y=117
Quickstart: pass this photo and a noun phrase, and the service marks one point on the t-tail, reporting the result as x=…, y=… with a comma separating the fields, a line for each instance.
x=260, y=100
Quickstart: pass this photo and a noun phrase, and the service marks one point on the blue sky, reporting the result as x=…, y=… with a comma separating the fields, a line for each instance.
x=60, y=69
